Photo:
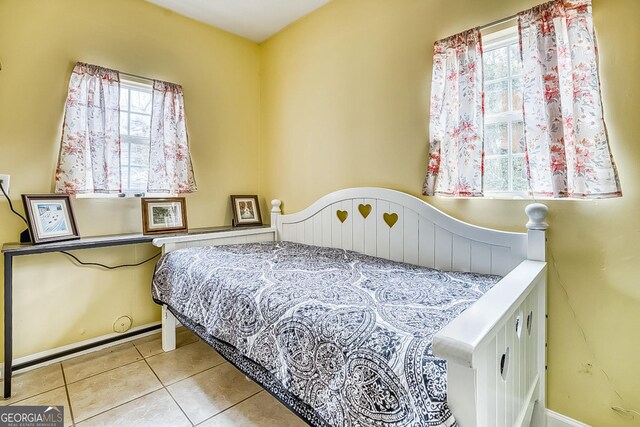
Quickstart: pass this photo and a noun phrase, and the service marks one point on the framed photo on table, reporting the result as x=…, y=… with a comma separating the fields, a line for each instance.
x=50, y=218
x=164, y=215
x=246, y=210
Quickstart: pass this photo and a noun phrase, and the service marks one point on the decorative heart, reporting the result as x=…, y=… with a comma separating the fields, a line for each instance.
x=342, y=215
x=365, y=210
x=390, y=219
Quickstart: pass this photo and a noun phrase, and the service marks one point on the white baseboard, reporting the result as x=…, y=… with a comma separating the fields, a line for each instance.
x=555, y=419
x=77, y=345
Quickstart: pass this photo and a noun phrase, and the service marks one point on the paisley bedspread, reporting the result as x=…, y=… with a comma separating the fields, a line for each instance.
x=341, y=338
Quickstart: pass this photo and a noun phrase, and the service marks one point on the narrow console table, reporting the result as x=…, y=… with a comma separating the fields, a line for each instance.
x=11, y=250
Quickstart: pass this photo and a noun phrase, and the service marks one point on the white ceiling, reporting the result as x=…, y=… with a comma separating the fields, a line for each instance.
x=256, y=20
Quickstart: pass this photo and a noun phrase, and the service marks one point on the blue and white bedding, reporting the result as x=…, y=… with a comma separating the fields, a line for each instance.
x=341, y=338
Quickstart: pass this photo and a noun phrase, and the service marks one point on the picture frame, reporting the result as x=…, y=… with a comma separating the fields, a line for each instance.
x=50, y=218
x=164, y=215
x=246, y=211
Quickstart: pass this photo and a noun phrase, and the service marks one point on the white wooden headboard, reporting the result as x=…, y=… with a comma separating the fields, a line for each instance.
x=397, y=226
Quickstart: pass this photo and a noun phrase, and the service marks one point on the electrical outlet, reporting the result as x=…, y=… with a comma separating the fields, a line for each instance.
x=6, y=180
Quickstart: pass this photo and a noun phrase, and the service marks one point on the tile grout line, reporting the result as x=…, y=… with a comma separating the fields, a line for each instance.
x=163, y=386
x=128, y=401
x=30, y=397
x=167, y=390
x=12, y=403
x=120, y=404
x=124, y=364
x=192, y=375
x=66, y=390
x=103, y=372
x=226, y=409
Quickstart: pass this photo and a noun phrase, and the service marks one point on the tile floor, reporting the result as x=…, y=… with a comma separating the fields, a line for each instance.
x=137, y=384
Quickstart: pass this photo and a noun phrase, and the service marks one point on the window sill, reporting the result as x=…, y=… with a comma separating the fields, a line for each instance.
x=515, y=197
x=122, y=196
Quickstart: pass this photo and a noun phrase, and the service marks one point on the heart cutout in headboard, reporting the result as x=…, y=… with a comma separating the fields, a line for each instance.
x=342, y=215
x=365, y=210
x=390, y=219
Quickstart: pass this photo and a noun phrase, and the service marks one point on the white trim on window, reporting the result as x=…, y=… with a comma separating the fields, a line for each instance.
x=504, y=38
x=126, y=141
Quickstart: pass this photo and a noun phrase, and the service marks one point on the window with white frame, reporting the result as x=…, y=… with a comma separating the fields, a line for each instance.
x=504, y=162
x=135, y=135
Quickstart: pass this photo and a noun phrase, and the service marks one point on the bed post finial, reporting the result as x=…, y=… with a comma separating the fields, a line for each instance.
x=536, y=246
x=275, y=211
x=537, y=213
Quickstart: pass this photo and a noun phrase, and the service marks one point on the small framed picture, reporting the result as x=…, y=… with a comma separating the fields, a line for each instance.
x=246, y=210
x=50, y=218
x=166, y=215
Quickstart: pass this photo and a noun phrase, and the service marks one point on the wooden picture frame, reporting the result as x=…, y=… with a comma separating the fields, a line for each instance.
x=164, y=215
x=246, y=211
x=50, y=218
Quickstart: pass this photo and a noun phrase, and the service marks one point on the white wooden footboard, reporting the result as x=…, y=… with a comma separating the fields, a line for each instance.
x=495, y=352
x=496, y=349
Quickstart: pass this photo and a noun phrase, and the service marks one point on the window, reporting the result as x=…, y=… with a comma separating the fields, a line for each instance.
x=504, y=162
x=135, y=135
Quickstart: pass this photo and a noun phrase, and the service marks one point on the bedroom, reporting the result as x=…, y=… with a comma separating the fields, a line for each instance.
x=337, y=99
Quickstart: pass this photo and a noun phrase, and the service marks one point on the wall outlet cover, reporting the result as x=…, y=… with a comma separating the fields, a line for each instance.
x=6, y=181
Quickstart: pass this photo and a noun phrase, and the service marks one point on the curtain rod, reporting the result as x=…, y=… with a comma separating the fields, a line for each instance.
x=136, y=76
x=498, y=22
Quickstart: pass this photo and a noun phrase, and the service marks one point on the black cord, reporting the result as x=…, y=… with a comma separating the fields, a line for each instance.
x=11, y=204
x=108, y=267
x=94, y=264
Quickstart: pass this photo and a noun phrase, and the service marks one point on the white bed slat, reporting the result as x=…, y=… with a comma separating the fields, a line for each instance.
x=382, y=243
x=500, y=260
x=326, y=226
x=513, y=366
x=317, y=229
x=336, y=226
x=443, y=249
x=492, y=378
x=287, y=232
x=396, y=233
x=461, y=254
x=308, y=232
x=426, y=245
x=371, y=229
x=480, y=258
x=358, y=227
x=500, y=383
x=411, y=231
x=300, y=232
x=347, y=226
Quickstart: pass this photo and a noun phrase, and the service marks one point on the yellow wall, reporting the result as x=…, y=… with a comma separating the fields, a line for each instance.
x=345, y=96
x=339, y=99
x=40, y=41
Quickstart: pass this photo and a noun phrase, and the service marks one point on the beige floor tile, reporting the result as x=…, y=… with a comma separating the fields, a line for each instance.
x=152, y=345
x=55, y=397
x=183, y=362
x=99, y=361
x=212, y=391
x=153, y=410
x=36, y=381
x=261, y=410
x=104, y=391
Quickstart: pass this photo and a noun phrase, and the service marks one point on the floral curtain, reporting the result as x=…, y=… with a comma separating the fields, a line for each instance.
x=456, y=124
x=170, y=168
x=89, y=160
x=566, y=139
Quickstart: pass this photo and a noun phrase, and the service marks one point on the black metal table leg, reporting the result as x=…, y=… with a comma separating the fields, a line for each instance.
x=8, y=317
